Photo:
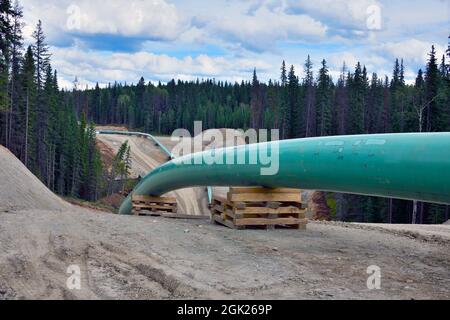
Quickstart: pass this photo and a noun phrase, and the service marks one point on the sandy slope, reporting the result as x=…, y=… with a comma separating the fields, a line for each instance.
x=20, y=189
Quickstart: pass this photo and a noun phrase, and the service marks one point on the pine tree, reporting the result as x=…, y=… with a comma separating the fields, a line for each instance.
x=294, y=105
x=357, y=86
x=27, y=103
x=92, y=175
x=15, y=62
x=5, y=47
x=272, y=115
x=284, y=104
x=448, y=55
x=397, y=94
x=374, y=114
x=419, y=100
x=308, y=99
x=341, y=103
x=323, y=101
x=283, y=78
x=431, y=91
x=50, y=129
x=256, y=103
x=41, y=58
x=121, y=165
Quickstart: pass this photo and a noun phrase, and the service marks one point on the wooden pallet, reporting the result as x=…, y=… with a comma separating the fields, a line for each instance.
x=148, y=205
x=259, y=208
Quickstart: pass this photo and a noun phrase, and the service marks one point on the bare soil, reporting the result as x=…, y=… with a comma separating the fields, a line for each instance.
x=20, y=189
x=128, y=257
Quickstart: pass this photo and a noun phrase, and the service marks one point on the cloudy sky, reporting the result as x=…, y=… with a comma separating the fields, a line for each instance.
x=122, y=40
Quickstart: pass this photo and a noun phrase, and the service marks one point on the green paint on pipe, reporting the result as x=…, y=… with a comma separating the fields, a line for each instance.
x=414, y=166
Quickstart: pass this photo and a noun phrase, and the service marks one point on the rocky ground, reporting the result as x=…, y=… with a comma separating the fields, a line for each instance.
x=127, y=257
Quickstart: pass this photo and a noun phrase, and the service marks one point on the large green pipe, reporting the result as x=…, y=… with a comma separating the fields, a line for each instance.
x=413, y=166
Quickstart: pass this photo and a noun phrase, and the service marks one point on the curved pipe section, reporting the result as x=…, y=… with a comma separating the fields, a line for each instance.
x=157, y=142
x=413, y=166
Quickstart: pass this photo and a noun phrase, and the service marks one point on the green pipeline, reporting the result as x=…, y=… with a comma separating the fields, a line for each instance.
x=414, y=166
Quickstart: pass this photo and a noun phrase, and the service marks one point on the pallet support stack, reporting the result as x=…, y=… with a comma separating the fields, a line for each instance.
x=260, y=208
x=148, y=205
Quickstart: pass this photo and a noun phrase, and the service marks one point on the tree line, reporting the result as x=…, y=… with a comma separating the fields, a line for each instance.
x=38, y=122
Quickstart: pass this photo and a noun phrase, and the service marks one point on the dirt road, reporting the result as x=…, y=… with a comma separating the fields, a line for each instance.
x=127, y=257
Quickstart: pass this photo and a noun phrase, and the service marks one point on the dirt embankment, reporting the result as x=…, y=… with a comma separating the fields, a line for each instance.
x=20, y=189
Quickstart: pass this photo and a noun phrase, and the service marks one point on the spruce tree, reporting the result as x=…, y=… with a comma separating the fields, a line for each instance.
x=323, y=101
x=27, y=107
x=294, y=105
x=5, y=47
x=431, y=91
x=12, y=141
x=308, y=99
x=357, y=86
x=285, y=105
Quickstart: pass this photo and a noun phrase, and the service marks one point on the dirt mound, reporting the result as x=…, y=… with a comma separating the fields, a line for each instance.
x=448, y=222
x=21, y=190
x=106, y=153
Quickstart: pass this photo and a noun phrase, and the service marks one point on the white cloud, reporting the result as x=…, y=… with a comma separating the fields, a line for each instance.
x=261, y=30
x=154, y=19
x=226, y=39
x=411, y=50
x=348, y=13
x=104, y=67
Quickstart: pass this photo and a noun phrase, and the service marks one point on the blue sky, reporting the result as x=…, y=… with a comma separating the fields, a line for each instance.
x=122, y=40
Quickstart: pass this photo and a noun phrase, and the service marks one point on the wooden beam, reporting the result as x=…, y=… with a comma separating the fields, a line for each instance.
x=263, y=190
x=153, y=199
x=269, y=197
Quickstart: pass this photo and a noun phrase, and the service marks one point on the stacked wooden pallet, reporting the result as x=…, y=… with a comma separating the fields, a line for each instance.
x=259, y=208
x=148, y=205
